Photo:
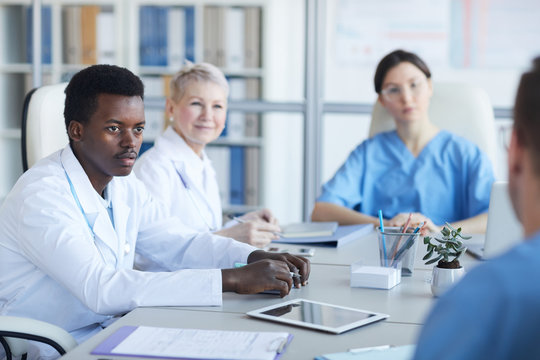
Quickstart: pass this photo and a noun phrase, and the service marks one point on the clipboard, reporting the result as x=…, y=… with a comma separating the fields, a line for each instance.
x=193, y=344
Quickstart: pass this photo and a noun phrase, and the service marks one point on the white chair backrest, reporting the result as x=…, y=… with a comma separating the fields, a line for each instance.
x=43, y=127
x=460, y=108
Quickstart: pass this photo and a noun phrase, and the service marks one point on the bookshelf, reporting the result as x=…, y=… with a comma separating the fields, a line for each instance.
x=62, y=23
x=151, y=38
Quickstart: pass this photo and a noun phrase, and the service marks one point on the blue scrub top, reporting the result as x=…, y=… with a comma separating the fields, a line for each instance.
x=450, y=180
x=492, y=313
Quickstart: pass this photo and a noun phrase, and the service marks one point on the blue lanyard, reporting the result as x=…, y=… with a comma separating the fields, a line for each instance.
x=72, y=188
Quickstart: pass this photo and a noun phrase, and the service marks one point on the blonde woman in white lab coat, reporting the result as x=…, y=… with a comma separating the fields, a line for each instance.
x=178, y=172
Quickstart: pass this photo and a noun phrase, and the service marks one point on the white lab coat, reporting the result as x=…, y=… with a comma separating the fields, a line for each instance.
x=163, y=167
x=51, y=268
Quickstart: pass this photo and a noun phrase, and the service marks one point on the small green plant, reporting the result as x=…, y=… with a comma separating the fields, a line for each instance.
x=451, y=245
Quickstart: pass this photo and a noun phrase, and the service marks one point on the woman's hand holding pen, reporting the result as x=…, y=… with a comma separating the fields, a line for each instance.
x=264, y=215
x=257, y=233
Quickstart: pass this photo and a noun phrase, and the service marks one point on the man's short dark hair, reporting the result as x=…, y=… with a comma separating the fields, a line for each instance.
x=85, y=86
x=527, y=113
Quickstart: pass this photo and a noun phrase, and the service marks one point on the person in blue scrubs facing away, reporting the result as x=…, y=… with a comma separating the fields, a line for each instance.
x=418, y=168
x=493, y=312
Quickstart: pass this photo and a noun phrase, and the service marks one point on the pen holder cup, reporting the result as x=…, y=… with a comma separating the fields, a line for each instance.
x=397, y=249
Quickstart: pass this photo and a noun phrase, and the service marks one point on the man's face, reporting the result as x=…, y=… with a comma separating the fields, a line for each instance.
x=108, y=144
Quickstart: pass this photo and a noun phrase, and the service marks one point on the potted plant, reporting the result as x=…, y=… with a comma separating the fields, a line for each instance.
x=446, y=251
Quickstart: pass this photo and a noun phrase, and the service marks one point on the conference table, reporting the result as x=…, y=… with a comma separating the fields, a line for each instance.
x=407, y=305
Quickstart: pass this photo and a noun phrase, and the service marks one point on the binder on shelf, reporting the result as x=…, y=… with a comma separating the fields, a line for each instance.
x=88, y=32
x=105, y=38
x=72, y=34
x=189, y=13
x=145, y=36
x=210, y=34
x=236, y=121
x=234, y=30
x=221, y=161
x=252, y=40
x=154, y=124
x=220, y=34
x=153, y=86
x=252, y=120
x=160, y=34
x=46, y=34
x=176, y=37
x=153, y=35
x=237, y=169
x=344, y=234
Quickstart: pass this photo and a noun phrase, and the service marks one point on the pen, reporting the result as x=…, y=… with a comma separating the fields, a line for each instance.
x=241, y=221
x=374, y=348
x=383, y=239
x=405, y=227
x=282, y=345
x=408, y=244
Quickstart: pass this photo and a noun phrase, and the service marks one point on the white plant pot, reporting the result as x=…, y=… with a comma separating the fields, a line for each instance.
x=443, y=279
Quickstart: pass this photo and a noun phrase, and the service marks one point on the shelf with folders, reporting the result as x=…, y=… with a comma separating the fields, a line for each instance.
x=228, y=35
x=94, y=27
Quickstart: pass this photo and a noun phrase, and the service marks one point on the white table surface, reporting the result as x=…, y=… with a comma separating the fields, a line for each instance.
x=407, y=304
x=306, y=344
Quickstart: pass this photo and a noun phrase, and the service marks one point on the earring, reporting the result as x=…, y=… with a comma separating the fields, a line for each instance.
x=171, y=119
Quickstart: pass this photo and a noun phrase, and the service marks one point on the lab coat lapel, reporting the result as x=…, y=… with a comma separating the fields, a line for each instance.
x=121, y=212
x=186, y=164
x=94, y=211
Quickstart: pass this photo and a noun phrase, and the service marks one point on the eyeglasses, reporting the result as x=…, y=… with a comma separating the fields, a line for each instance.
x=394, y=92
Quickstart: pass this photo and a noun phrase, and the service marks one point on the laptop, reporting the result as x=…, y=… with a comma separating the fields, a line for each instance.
x=503, y=228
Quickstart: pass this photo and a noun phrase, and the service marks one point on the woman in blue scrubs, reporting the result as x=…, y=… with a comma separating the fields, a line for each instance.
x=418, y=168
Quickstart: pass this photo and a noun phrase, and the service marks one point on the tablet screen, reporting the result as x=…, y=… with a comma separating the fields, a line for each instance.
x=320, y=314
x=317, y=315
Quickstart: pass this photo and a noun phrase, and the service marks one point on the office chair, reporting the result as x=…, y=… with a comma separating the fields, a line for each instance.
x=43, y=128
x=460, y=108
x=15, y=331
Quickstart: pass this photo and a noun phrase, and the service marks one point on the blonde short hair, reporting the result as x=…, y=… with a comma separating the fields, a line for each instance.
x=196, y=72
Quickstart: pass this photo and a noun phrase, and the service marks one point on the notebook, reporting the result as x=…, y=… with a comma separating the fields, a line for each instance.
x=344, y=234
x=503, y=228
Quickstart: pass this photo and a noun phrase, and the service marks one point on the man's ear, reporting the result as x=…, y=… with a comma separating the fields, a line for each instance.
x=75, y=130
x=515, y=155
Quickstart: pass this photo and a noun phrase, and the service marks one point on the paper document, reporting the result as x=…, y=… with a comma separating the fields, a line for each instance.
x=173, y=343
x=309, y=229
